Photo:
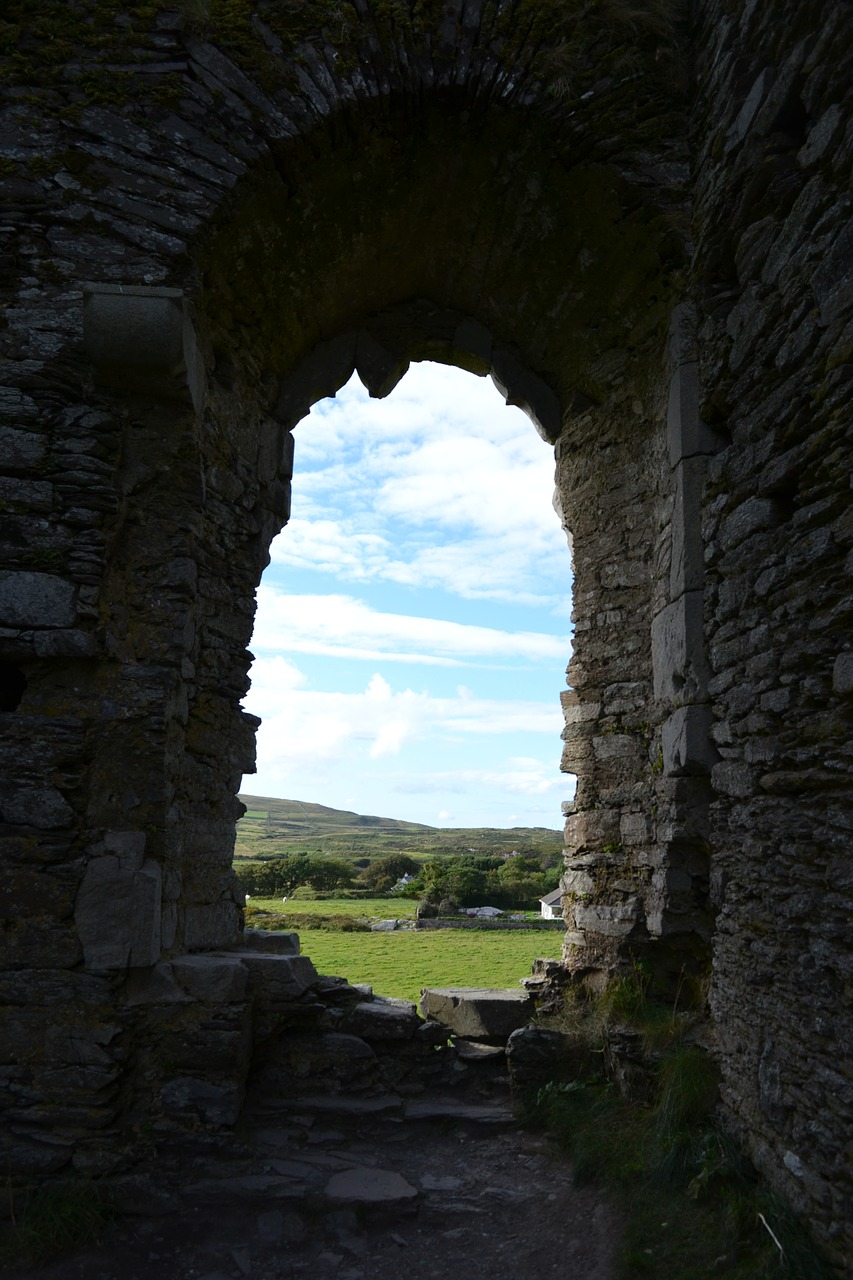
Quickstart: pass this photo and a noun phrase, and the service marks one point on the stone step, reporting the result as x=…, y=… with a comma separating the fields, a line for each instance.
x=478, y=1013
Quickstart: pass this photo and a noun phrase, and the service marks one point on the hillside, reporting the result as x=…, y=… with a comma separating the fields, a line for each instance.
x=273, y=827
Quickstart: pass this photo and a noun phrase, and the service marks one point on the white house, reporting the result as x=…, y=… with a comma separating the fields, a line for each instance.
x=551, y=904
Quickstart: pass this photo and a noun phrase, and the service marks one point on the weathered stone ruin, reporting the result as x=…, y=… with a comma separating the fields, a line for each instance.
x=640, y=229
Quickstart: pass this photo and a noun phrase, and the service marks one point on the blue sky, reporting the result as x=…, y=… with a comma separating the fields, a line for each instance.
x=413, y=625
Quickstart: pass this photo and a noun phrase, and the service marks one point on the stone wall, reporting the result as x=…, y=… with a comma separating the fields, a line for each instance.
x=775, y=264
x=214, y=225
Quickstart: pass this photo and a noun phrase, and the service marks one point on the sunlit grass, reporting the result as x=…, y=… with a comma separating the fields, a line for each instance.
x=401, y=963
x=367, y=908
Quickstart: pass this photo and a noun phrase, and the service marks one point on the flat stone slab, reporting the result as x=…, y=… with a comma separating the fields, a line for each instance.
x=476, y=1051
x=384, y=1019
x=282, y=943
x=477, y=1013
x=367, y=1186
x=450, y=1109
x=342, y=1105
x=275, y=977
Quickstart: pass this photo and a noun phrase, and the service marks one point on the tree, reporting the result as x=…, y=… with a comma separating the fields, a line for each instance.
x=324, y=874
x=384, y=873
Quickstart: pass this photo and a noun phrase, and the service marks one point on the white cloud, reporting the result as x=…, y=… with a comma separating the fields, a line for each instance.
x=439, y=485
x=342, y=626
x=305, y=725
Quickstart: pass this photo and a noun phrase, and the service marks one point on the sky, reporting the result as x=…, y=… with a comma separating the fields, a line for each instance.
x=413, y=625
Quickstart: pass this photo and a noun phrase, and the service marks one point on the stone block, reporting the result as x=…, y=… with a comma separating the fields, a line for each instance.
x=519, y=386
x=282, y=944
x=323, y=372
x=679, y=663
x=614, y=921
x=578, y=882
x=536, y=1056
x=41, y=807
x=635, y=828
x=474, y=341
x=687, y=567
x=127, y=846
x=188, y=1097
x=750, y=517
x=842, y=673
x=156, y=985
x=686, y=433
x=20, y=450
x=682, y=334
x=379, y=369
x=369, y=1186
x=274, y=978
x=65, y=643
x=141, y=340
x=117, y=914
x=731, y=778
x=383, y=1019
x=477, y=1013
x=36, y=600
x=686, y=742
x=214, y=979
x=592, y=828
x=216, y=924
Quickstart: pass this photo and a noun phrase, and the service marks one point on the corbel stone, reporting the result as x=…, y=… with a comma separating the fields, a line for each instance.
x=379, y=369
x=142, y=340
x=474, y=341
x=527, y=391
x=322, y=373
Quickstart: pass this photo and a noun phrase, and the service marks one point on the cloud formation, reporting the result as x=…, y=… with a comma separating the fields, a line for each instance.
x=381, y=488
x=346, y=627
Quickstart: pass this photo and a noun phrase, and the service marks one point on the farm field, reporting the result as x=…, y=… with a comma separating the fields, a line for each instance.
x=362, y=908
x=401, y=963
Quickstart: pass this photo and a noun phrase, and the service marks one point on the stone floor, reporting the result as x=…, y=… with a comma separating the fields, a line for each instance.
x=361, y=1189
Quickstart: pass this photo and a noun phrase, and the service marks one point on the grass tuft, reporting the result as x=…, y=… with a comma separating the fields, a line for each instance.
x=47, y=1222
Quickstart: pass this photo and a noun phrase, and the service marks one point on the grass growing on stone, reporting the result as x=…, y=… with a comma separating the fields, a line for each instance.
x=694, y=1207
x=48, y=1221
x=400, y=964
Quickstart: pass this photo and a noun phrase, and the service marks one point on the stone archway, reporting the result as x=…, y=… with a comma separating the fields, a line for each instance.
x=503, y=184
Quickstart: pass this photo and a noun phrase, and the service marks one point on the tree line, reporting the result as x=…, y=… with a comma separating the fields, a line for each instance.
x=463, y=881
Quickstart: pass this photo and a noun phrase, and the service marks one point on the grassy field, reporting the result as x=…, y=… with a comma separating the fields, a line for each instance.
x=400, y=963
x=365, y=908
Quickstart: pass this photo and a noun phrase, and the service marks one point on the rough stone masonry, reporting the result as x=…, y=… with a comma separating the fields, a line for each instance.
x=641, y=231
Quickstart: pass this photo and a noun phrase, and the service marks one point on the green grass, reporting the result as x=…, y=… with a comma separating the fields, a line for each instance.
x=48, y=1221
x=401, y=963
x=694, y=1207
x=364, y=908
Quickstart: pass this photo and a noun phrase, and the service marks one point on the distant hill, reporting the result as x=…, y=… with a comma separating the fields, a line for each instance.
x=273, y=827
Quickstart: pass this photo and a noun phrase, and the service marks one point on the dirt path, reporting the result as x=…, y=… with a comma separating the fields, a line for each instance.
x=373, y=1189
